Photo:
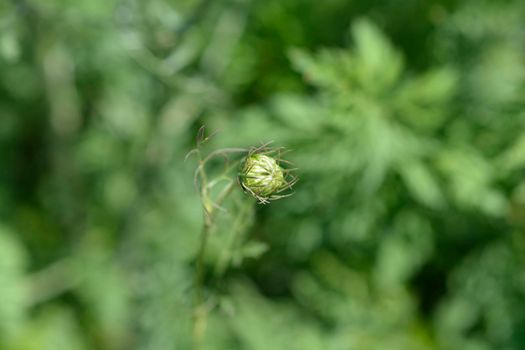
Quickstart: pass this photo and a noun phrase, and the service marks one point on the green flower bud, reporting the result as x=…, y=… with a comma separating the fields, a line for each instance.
x=261, y=176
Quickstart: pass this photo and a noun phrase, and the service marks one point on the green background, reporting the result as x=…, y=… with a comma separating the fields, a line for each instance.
x=406, y=120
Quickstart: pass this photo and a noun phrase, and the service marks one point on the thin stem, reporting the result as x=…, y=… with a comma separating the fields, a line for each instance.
x=52, y=281
x=200, y=311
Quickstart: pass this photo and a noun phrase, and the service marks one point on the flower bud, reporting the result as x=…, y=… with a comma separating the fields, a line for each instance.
x=261, y=176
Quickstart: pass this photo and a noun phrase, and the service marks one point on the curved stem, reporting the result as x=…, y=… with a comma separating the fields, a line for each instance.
x=200, y=309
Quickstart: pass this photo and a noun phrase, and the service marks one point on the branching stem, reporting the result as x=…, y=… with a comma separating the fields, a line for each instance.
x=210, y=206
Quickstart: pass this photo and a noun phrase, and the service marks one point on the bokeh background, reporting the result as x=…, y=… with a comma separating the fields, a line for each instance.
x=406, y=120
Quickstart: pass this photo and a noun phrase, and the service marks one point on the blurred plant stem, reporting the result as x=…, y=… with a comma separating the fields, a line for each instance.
x=51, y=281
x=210, y=204
x=200, y=307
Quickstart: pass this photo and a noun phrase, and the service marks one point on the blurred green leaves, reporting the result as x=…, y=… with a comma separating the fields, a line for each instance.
x=406, y=123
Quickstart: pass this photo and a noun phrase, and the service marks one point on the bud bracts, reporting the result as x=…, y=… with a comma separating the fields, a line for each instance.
x=262, y=176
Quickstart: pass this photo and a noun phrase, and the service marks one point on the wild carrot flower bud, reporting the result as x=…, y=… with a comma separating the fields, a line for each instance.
x=262, y=176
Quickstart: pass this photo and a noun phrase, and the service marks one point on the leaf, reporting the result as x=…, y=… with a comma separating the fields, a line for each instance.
x=422, y=101
x=514, y=157
x=422, y=184
x=253, y=249
x=380, y=65
x=329, y=69
x=404, y=250
x=470, y=177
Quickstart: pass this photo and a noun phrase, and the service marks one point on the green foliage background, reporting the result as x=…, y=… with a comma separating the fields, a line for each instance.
x=407, y=119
